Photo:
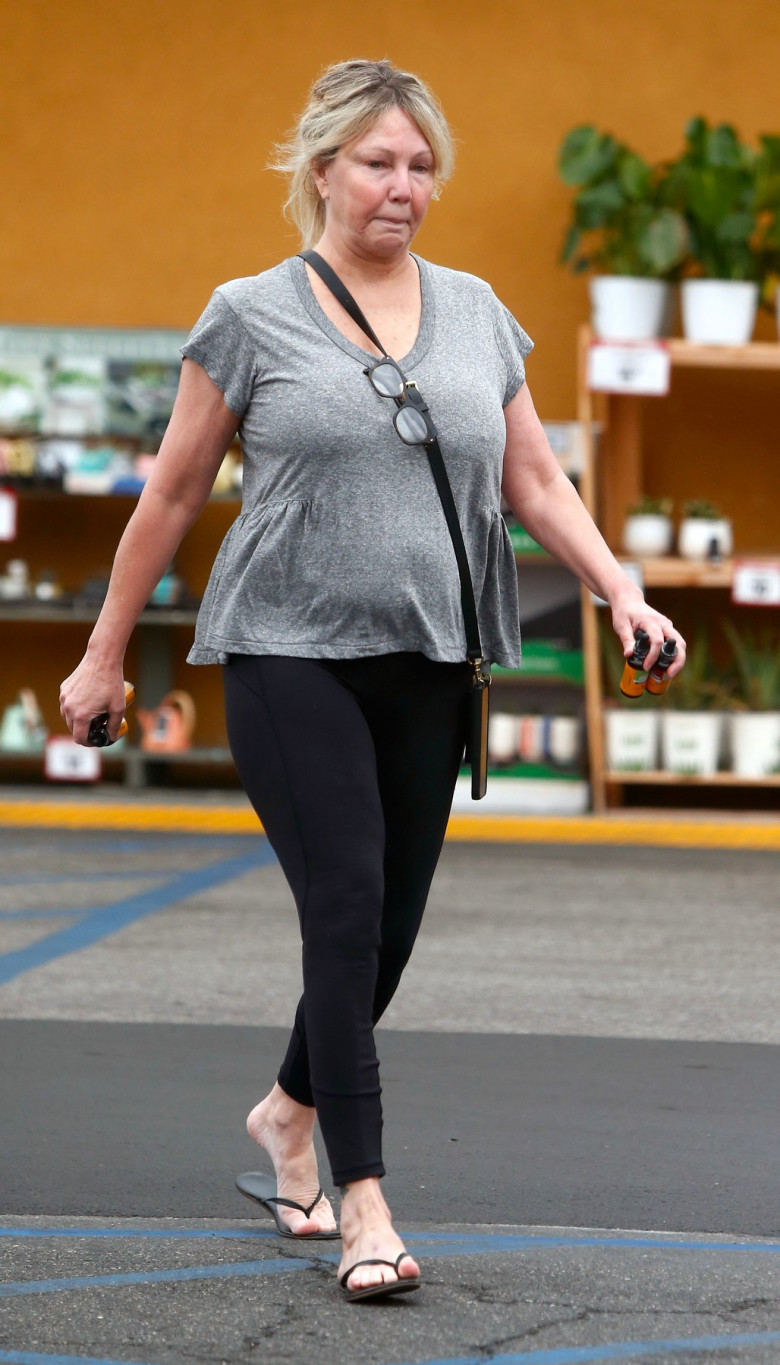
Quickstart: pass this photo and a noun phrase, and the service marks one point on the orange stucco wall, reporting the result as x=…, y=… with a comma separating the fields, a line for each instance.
x=133, y=144
x=135, y=137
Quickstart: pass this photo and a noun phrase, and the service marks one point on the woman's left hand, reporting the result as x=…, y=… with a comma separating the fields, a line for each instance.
x=629, y=612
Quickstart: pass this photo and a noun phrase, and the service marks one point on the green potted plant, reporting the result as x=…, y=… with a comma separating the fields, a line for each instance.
x=631, y=725
x=755, y=724
x=729, y=195
x=648, y=530
x=692, y=719
x=622, y=230
x=704, y=532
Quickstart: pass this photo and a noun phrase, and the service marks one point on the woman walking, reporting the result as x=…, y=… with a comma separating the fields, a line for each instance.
x=334, y=606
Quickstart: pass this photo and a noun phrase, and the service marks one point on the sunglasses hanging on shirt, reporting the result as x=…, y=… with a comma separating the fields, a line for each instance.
x=415, y=426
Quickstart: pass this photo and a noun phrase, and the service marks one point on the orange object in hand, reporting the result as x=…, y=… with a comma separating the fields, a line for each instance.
x=98, y=727
x=632, y=683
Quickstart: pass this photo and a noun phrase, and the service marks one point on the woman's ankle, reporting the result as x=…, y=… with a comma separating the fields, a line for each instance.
x=281, y=1114
x=363, y=1199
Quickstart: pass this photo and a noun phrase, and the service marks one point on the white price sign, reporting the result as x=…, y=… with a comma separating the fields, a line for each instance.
x=641, y=367
x=66, y=761
x=756, y=584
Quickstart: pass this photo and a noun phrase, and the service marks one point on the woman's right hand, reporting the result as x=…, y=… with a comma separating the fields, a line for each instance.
x=92, y=689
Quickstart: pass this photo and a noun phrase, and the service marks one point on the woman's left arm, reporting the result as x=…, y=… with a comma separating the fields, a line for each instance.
x=548, y=506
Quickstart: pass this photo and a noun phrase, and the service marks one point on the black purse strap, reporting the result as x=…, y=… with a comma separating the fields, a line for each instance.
x=435, y=459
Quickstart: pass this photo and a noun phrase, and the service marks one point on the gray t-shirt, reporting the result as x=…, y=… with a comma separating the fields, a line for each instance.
x=341, y=549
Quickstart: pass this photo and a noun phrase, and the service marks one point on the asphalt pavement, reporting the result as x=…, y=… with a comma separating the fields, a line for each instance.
x=581, y=1085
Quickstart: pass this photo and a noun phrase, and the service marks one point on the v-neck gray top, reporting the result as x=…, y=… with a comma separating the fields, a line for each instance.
x=341, y=549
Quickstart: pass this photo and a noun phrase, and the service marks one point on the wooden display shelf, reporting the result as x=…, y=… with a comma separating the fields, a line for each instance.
x=661, y=778
x=757, y=355
x=671, y=571
x=135, y=760
x=45, y=614
x=620, y=465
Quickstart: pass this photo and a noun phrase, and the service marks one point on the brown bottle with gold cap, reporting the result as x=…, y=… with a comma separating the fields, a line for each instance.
x=632, y=683
x=658, y=678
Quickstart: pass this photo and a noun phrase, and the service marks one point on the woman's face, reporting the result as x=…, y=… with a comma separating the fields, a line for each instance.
x=378, y=187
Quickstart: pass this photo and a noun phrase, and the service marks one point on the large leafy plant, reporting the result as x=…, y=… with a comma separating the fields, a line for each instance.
x=757, y=660
x=621, y=222
x=729, y=195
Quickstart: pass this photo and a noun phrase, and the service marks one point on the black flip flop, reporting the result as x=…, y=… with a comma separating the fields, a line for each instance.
x=261, y=1188
x=383, y=1290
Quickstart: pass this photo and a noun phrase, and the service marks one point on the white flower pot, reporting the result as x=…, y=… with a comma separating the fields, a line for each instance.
x=647, y=535
x=631, y=740
x=624, y=308
x=701, y=538
x=719, y=312
x=503, y=738
x=755, y=743
x=690, y=742
x=563, y=740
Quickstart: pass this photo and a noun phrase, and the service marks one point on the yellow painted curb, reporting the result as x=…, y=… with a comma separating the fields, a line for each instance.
x=661, y=831
x=74, y=815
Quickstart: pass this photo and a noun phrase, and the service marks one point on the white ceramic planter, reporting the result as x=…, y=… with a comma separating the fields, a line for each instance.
x=719, y=312
x=563, y=740
x=631, y=740
x=503, y=738
x=648, y=535
x=624, y=308
x=698, y=536
x=690, y=742
x=755, y=743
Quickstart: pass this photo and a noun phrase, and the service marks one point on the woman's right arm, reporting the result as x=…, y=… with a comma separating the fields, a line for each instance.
x=199, y=433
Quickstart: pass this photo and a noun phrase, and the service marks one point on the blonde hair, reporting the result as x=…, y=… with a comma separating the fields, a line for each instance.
x=347, y=100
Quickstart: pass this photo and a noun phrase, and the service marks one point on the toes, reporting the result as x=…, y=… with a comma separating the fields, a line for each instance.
x=299, y=1223
x=323, y=1216
x=408, y=1268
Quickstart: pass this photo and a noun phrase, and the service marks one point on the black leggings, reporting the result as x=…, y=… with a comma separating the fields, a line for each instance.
x=351, y=766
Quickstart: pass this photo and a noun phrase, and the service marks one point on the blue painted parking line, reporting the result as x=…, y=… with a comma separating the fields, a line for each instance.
x=620, y=1350
x=63, y=878
x=425, y=1243
x=235, y=1269
x=567, y=1355
x=105, y=920
x=128, y=843
x=35, y=1358
x=165, y=1234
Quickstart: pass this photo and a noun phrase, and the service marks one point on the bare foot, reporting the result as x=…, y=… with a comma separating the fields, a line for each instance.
x=367, y=1233
x=284, y=1129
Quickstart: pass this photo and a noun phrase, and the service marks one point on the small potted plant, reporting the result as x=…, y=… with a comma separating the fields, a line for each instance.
x=729, y=195
x=622, y=230
x=692, y=720
x=648, y=530
x=631, y=725
x=704, y=532
x=755, y=724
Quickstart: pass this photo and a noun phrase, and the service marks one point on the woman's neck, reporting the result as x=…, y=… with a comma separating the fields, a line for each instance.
x=355, y=268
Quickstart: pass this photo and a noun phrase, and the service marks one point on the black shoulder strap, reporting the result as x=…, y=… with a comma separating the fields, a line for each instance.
x=435, y=459
x=331, y=279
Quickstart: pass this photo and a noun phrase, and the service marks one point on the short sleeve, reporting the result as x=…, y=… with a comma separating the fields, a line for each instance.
x=220, y=343
x=514, y=345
